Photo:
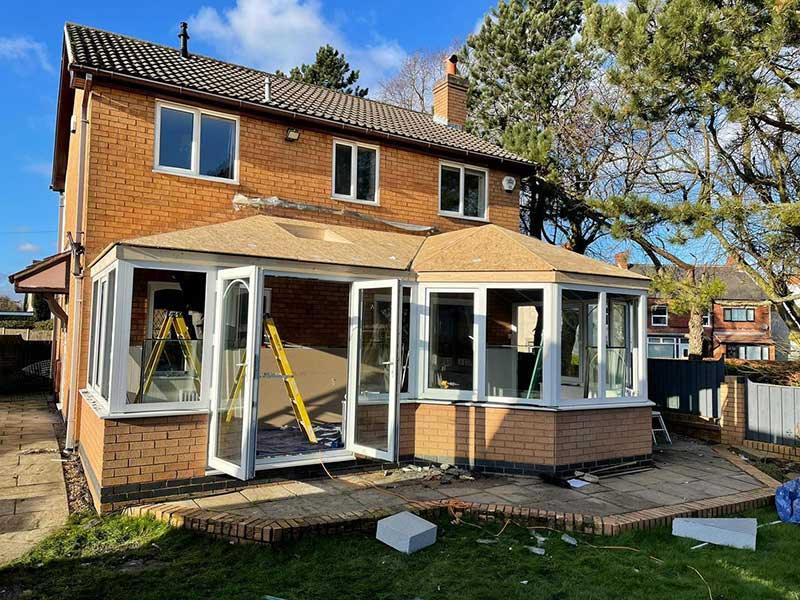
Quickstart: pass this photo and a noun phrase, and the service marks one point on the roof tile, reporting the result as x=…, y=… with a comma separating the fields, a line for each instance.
x=91, y=48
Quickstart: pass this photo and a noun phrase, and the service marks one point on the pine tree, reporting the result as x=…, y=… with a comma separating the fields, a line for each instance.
x=330, y=69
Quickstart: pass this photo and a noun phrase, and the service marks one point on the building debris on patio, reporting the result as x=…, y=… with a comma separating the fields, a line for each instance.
x=737, y=533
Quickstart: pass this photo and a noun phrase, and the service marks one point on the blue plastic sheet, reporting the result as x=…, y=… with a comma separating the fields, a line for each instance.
x=787, y=501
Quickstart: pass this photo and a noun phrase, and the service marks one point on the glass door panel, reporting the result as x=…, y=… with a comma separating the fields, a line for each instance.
x=236, y=336
x=373, y=387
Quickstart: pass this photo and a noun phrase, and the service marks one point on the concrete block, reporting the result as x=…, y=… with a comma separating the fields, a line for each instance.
x=406, y=532
x=737, y=533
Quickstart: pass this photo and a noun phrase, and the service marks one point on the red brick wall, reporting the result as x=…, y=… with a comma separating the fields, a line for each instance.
x=154, y=449
x=523, y=436
x=311, y=312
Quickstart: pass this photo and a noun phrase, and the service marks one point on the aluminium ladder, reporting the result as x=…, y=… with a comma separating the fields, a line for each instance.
x=661, y=428
x=289, y=382
x=177, y=324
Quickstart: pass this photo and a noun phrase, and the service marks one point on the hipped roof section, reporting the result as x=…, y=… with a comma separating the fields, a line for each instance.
x=481, y=249
x=144, y=64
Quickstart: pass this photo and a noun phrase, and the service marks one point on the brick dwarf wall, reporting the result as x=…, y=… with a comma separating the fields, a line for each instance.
x=541, y=439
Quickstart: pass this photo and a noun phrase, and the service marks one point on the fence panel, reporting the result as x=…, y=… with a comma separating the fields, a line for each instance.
x=687, y=386
x=773, y=414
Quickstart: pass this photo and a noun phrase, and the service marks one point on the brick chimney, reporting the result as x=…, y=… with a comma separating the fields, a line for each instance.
x=621, y=260
x=450, y=96
x=730, y=261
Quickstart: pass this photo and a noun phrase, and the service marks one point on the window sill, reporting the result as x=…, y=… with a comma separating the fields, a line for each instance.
x=355, y=201
x=101, y=409
x=451, y=215
x=592, y=404
x=190, y=175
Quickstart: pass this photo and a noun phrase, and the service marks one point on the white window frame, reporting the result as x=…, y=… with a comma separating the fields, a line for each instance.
x=354, y=146
x=747, y=309
x=707, y=318
x=194, y=171
x=460, y=214
x=98, y=332
x=653, y=315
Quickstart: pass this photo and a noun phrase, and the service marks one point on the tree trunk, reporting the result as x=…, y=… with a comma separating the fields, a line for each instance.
x=695, y=333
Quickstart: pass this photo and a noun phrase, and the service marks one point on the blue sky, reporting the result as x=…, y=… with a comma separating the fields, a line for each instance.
x=262, y=33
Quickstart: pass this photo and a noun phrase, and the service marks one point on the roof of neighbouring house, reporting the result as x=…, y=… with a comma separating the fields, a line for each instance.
x=738, y=284
x=476, y=250
x=49, y=275
x=93, y=50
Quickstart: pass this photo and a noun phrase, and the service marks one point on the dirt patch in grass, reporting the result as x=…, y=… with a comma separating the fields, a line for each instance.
x=779, y=469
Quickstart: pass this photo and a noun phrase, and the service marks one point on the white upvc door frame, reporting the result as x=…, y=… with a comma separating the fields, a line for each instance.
x=252, y=277
x=353, y=370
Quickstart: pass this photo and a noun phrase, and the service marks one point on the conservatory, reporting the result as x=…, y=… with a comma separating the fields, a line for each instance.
x=277, y=342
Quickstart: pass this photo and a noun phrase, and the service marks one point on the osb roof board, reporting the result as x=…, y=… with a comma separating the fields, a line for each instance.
x=292, y=239
x=484, y=253
x=493, y=248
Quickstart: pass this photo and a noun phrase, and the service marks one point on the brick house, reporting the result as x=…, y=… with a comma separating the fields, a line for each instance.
x=201, y=197
x=740, y=324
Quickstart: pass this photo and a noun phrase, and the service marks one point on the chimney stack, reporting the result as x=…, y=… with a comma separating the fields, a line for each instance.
x=184, y=37
x=621, y=260
x=730, y=261
x=450, y=96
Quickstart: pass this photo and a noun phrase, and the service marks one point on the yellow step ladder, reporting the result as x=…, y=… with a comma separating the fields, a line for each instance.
x=289, y=382
x=177, y=324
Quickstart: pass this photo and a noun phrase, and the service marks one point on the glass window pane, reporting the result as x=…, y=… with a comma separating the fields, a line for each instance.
x=230, y=417
x=374, y=368
x=579, y=356
x=175, y=141
x=343, y=158
x=366, y=173
x=514, y=324
x=217, y=147
x=101, y=300
x=93, y=330
x=451, y=341
x=405, y=338
x=109, y=333
x=474, y=193
x=619, y=351
x=450, y=189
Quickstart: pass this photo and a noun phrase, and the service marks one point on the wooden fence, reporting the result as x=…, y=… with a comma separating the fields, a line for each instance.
x=773, y=414
x=686, y=386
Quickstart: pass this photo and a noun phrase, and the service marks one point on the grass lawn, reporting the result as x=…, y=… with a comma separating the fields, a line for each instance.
x=125, y=558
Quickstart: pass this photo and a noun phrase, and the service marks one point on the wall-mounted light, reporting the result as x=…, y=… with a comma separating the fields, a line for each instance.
x=509, y=183
x=292, y=134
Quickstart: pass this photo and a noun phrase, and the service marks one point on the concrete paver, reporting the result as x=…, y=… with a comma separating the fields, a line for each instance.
x=687, y=471
x=33, y=496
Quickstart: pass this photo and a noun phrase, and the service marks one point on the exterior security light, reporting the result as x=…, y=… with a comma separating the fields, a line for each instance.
x=509, y=183
x=292, y=134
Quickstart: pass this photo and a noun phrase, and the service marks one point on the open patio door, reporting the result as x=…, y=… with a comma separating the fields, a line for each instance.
x=236, y=339
x=372, y=390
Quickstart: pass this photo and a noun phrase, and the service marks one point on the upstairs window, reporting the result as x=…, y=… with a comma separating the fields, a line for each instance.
x=739, y=315
x=196, y=142
x=355, y=172
x=659, y=316
x=463, y=191
x=707, y=318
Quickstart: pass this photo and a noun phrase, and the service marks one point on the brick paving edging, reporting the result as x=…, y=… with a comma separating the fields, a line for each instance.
x=240, y=529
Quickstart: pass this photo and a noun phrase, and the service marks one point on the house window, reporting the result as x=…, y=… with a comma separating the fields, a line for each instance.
x=747, y=352
x=452, y=351
x=463, y=191
x=667, y=347
x=739, y=315
x=196, y=142
x=659, y=316
x=707, y=318
x=101, y=331
x=355, y=172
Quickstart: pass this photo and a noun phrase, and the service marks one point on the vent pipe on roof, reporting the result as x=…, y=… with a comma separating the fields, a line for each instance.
x=184, y=37
x=267, y=89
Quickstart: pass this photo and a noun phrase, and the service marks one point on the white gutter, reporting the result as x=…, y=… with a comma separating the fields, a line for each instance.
x=77, y=271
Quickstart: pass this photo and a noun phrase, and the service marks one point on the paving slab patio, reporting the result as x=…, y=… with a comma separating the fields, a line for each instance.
x=33, y=496
x=687, y=471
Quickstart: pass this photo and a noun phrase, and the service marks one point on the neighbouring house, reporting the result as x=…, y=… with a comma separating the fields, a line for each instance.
x=739, y=324
x=204, y=201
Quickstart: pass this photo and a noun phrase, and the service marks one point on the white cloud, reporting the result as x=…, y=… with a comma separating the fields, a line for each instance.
x=43, y=168
x=21, y=49
x=281, y=34
x=28, y=248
